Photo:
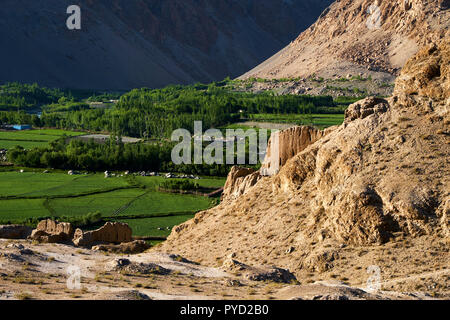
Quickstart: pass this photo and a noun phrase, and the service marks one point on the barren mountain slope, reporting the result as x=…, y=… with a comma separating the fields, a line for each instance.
x=375, y=191
x=125, y=44
x=360, y=36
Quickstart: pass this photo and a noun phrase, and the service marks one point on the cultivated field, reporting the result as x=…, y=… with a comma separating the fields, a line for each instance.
x=34, y=195
x=319, y=120
x=32, y=138
x=285, y=121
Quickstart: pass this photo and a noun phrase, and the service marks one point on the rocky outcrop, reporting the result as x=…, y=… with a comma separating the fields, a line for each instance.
x=260, y=273
x=134, y=247
x=14, y=232
x=50, y=231
x=284, y=145
x=320, y=261
x=239, y=181
x=127, y=266
x=378, y=177
x=426, y=76
x=365, y=108
x=111, y=232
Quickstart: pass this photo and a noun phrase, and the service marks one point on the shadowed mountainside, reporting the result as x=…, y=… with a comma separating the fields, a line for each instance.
x=133, y=43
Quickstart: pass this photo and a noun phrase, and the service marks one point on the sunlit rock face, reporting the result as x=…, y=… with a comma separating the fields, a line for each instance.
x=379, y=176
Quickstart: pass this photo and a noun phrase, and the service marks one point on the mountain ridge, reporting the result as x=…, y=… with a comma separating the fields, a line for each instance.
x=362, y=36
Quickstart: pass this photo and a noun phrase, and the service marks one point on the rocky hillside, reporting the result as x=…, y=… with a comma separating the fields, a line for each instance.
x=373, y=191
x=360, y=37
x=132, y=43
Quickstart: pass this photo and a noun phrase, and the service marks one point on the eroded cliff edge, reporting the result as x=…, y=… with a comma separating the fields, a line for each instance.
x=374, y=189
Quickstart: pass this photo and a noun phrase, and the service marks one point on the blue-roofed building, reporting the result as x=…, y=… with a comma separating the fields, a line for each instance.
x=22, y=127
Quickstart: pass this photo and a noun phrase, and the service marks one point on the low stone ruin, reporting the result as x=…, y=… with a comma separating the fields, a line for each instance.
x=111, y=232
x=14, y=232
x=50, y=231
x=112, y=237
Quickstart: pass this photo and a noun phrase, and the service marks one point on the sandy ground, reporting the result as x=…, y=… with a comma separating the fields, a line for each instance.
x=50, y=271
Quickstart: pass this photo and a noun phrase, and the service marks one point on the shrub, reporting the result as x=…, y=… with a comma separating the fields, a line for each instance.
x=182, y=185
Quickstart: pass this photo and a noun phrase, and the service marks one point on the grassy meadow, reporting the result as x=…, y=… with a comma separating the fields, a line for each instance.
x=32, y=138
x=319, y=120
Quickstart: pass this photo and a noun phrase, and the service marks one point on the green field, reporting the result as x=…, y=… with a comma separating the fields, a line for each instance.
x=38, y=195
x=141, y=226
x=206, y=182
x=31, y=184
x=32, y=138
x=319, y=120
x=129, y=202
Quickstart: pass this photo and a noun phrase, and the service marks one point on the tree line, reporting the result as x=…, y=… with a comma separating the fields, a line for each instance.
x=16, y=96
x=113, y=155
x=155, y=113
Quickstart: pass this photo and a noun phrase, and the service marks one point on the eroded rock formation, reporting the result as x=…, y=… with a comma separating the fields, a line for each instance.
x=284, y=145
x=239, y=181
x=381, y=175
x=365, y=108
x=111, y=232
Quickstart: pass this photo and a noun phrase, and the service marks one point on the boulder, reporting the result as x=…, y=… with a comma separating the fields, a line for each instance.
x=14, y=232
x=366, y=107
x=111, y=232
x=50, y=231
x=127, y=266
x=320, y=261
x=128, y=295
x=260, y=273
